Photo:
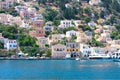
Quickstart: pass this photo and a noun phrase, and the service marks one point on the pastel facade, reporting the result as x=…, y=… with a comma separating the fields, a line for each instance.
x=16, y=20
x=26, y=24
x=20, y=8
x=85, y=50
x=6, y=4
x=5, y=18
x=38, y=32
x=9, y=19
x=73, y=49
x=57, y=37
x=11, y=44
x=83, y=38
x=42, y=41
x=38, y=23
x=31, y=12
x=58, y=51
x=70, y=23
x=116, y=44
x=69, y=34
x=77, y=22
x=65, y=24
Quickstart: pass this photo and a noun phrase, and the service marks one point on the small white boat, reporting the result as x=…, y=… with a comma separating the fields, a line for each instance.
x=32, y=58
x=68, y=56
x=77, y=58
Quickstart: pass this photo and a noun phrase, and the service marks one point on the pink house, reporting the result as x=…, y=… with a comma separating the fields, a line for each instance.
x=5, y=18
x=38, y=32
x=24, y=13
x=38, y=23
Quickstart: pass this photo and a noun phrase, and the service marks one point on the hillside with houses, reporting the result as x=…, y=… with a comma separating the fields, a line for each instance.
x=57, y=28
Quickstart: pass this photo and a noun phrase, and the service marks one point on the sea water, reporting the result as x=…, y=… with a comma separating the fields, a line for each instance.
x=59, y=70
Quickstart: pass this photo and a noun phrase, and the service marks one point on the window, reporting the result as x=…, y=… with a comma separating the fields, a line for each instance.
x=67, y=49
x=14, y=46
x=73, y=50
x=76, y=49
x=10, y=45
x=57, y=49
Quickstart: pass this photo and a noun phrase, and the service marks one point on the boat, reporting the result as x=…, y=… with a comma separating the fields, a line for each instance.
x=99, y=56
x=77, y=58
x=68, y=56
x=115, y=55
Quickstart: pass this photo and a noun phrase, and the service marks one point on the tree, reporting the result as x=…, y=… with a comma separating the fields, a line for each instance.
x=56, y=22
x=95, y=43
x=84, y=27
x=67, y=29
x=102, y=13
x=48, y=53
x=74, y=37
x=1, y=45
x=87, y=11
x=87, y=19
x=50, y=14
x=118, y=27
x=115, y=34
x=46, y=45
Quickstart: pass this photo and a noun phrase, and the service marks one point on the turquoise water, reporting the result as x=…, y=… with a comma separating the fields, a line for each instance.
x=59, y=69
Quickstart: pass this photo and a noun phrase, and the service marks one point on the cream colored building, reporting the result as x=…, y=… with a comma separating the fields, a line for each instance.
x=42, y=41
x=9, y=19
x=58, y=51
x=56, y=37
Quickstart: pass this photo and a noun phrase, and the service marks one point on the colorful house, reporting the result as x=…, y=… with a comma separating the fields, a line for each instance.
x=73, y=49
x=38, y=23
x=38, y=32
x=58, y=51
x=42, y=41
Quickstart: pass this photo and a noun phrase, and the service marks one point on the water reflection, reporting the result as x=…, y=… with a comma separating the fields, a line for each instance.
x=117, y=63
x=99, y=65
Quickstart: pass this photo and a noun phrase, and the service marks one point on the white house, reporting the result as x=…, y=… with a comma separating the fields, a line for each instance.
x=70, y=23
x=85, y=50
x=69, y=34
x=58, y=51
x=94, y=2
x=92, y=24
x=65, y=24
x=10, y=44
